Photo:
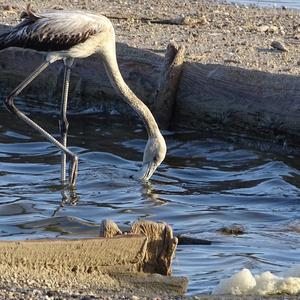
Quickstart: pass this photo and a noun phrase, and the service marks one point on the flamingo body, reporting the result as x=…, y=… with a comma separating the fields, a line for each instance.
x=53, y=31
x=75, y=34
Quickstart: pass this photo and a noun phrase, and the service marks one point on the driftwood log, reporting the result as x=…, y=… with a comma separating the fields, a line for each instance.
x=239, y=100
x=209, y=97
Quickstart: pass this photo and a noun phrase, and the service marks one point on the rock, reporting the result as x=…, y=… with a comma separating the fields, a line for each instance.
x=281, y=30
x=109, y=228
x=57, y=7
x=267, y=28
x=193, y=21
x=263, y=28
x=279, y=46
x=273, y=29
x=296, y=36
x=231, y=60
x=234, y=229
x=8, y=7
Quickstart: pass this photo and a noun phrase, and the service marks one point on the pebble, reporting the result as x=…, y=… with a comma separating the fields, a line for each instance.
x=279, y=46
x=57, y=7
x=234, y=61
x=297, y=36
x=234, y=229
x=263, y=28
x=8, y=7
x=273, y=29
x=268, y=28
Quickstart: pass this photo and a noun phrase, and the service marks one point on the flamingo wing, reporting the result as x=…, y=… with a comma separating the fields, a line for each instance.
x=52, y=31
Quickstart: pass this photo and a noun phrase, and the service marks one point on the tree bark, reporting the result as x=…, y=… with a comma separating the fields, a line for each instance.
x=170, y=77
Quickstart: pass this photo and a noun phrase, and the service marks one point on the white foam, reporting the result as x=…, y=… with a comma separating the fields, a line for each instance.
x=237, y=284
x=266, y=283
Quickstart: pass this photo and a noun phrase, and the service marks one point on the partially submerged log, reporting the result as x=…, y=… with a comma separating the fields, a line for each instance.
x=233, y=99
x=118, y=261
x=209, y=96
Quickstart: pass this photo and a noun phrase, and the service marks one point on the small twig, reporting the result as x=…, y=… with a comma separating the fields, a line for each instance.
x=176, y=21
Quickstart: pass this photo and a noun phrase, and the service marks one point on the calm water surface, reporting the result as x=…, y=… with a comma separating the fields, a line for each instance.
x=271, y=3
x=204, y=185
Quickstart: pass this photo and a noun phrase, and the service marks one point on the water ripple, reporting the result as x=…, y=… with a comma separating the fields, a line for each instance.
x=203, y=185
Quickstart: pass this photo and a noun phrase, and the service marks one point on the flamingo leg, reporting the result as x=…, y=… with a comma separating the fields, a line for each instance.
x=63, y=122
x=9, y=103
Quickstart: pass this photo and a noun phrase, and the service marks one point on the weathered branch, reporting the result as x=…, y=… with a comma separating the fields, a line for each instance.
x=170, y=77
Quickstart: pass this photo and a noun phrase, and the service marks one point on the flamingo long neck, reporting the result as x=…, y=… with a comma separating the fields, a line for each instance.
x=112, y=68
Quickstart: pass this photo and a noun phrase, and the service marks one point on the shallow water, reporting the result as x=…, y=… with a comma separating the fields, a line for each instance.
x=271, y=3
x=204, y=185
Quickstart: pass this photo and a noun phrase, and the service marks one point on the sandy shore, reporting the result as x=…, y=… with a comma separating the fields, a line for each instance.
x=215, y=33
x=212, y=33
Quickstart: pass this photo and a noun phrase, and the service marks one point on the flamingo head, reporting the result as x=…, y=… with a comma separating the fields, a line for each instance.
x=154, y=154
